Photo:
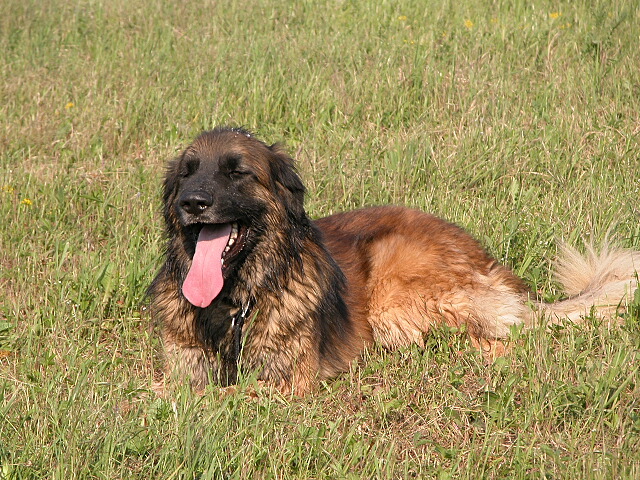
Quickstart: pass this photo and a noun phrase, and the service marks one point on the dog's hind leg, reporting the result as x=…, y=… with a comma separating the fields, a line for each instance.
x=415, y=284
x=401, y=314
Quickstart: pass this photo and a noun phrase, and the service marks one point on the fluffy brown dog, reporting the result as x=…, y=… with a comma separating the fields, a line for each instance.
x=314, y=294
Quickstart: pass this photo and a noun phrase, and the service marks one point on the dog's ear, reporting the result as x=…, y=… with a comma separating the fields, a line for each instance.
x=287, y=182
x=170, y=179
x=170, y=186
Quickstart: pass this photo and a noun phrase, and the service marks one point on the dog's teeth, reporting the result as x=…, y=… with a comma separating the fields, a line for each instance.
x=233, y=236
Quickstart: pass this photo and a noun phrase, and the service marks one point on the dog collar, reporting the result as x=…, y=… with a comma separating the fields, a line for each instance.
x=237, y=322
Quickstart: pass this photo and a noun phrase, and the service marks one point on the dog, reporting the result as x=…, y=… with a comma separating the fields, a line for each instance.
x=250, y=283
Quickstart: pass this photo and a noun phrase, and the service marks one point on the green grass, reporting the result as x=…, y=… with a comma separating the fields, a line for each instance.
x=516, y=120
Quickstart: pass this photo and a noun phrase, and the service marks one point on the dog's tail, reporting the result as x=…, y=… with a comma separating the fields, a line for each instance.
x=601, y=283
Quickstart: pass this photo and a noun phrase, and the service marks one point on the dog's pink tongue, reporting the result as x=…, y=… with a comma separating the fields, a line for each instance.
x=204, y=280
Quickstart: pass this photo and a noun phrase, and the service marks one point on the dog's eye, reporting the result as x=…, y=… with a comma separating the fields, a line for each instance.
x=190, y=167
x=238, y=174
x=233, y=167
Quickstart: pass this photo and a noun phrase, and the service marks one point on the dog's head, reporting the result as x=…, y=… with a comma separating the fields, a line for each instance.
x=221, y=196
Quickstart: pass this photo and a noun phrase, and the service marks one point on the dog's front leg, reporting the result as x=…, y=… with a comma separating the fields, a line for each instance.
x=190, y=363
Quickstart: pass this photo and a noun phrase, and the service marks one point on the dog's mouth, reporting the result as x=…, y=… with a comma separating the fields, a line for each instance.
x=216, y=248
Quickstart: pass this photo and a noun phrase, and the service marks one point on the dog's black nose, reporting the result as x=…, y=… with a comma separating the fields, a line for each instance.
x=195, y=202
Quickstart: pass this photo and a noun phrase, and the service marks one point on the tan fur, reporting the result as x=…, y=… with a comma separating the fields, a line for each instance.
x=423, y=271
x=602, y=281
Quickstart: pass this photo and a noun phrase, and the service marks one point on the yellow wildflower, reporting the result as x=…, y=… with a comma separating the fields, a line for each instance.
x=8, y=189
x=402, y=18
x=469, y=24
x=555, y=15
x=27, y=202
x=69, y=105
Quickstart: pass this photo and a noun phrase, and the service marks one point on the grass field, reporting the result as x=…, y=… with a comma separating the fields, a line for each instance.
x=517, y=120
